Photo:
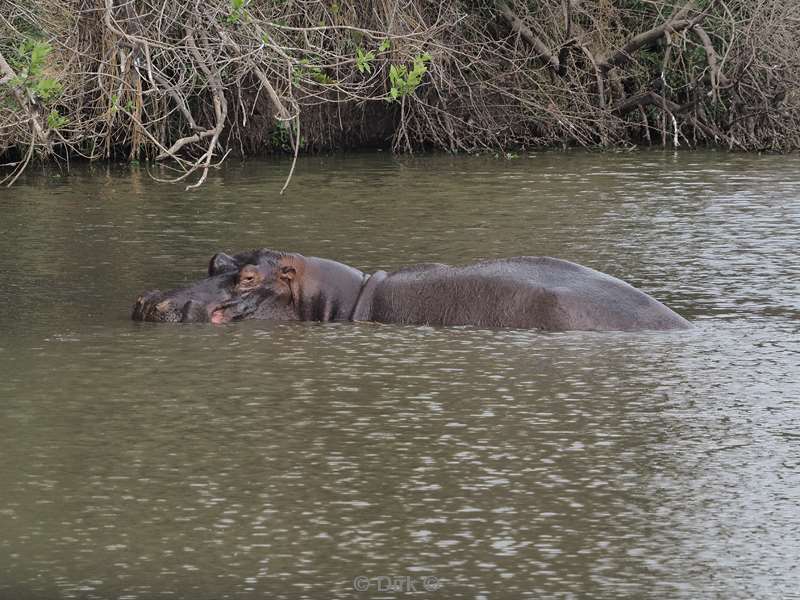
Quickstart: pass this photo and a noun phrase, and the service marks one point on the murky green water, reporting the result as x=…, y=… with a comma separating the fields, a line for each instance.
x=259, y=460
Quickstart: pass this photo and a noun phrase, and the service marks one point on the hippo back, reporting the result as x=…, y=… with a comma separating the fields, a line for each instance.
x=521, y=292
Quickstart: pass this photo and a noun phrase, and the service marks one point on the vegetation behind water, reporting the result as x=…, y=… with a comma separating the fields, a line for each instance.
x=190, y=81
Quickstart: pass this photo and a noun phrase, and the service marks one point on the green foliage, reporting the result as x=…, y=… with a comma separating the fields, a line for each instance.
x=29, y=63
x=281, y=137
x=308, y=71
x=322, y=78
x=37, y=52
x=404, y=81
x=47, y=89
x=684, y=65
x=651, y=58
x=56, y=121
x=364, y=60
x=115, y=107
x=237, y=11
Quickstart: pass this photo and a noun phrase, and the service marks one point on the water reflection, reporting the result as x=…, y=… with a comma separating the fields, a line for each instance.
x=140, y=460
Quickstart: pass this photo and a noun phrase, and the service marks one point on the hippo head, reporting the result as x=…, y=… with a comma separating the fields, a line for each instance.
x=260, y=284
x=236, y=288
x=266, y=286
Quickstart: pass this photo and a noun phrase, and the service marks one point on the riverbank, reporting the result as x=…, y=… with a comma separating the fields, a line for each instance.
x=191, y=83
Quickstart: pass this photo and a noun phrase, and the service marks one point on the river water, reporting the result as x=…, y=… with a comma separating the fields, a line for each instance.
x=263, y=460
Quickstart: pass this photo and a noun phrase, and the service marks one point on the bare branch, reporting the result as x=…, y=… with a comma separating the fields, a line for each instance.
x=717, y=78
x=517, y=26
x=678, y=22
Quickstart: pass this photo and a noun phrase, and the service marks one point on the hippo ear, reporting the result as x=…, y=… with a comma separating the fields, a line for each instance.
x=287, y=274
x=221, y=263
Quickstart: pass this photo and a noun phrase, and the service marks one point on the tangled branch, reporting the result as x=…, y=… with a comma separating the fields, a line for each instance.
x=187, y=83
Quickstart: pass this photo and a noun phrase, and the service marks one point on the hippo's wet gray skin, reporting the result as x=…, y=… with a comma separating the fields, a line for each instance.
x=203, y=301
x=200, y=302
x=522, y=292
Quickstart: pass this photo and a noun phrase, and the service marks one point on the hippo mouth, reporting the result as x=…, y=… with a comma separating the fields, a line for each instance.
x=236, y=309
x=217, y=316
x=225, y=312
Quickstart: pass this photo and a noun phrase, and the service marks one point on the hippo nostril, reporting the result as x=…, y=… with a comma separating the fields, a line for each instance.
x=148, y=298
x=144, y=305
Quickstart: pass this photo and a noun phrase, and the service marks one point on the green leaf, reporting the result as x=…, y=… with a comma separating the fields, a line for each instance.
x=385, y=44
x=364, y=60
x=39, y=53
x=397, y=75
x=30, y=62
x=55, y=120
x=47, y=89
x=237, y=11
x=404, y=82
x=321, y=77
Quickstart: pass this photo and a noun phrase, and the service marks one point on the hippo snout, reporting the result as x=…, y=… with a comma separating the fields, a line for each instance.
x=201, y=302
x=156, y=306
x=144, y=304
x=180, y=306
x=146, y=297
x=194, y=312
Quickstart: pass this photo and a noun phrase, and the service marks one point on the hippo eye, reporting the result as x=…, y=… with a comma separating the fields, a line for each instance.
x=249, y=278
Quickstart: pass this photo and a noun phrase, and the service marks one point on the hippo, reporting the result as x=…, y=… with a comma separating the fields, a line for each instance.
x=198, y=302
x=524, y=292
